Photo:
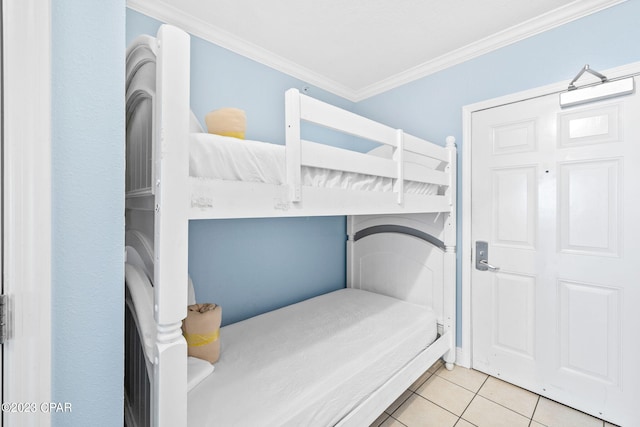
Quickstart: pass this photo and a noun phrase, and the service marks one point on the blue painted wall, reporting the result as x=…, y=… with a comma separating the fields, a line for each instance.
x=432, y=106
x=255, y=265
x=87, y=47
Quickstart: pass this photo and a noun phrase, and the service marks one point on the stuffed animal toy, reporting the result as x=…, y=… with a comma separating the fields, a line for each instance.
x=227, y=122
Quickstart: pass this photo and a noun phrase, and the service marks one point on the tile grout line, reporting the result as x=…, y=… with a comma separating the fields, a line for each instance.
x=530, y=418
x=400, y=404
x=474, y=396
x=571, y=408
x=534, y=411
x=397, y=420
x=509, y=409
x=461, y=386
x=390, y=414
x=466, y=421
x=442, y=407
x=439, y=406
x=415, y=393
x=433, y=403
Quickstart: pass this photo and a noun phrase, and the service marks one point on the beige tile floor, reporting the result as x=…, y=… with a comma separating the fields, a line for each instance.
x=467, y=398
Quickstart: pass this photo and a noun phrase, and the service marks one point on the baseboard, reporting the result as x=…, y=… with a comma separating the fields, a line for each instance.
x=462, y=358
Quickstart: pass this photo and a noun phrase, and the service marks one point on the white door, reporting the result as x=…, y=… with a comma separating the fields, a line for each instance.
x=556, y=196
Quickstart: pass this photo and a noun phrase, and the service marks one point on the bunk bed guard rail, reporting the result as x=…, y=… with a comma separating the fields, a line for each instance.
x=302, y=108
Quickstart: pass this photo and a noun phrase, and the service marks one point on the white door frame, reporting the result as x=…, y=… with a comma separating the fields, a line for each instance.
x=464, y=355
x=27, y=215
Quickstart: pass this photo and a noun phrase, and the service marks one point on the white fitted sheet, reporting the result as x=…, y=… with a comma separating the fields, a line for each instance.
x=220, y=157
x=310, y=363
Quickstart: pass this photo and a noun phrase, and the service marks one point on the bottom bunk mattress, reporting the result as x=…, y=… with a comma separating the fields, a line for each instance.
x=311, y=363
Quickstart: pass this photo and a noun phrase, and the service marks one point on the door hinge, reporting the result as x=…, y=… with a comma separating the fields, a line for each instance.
x=4, y=315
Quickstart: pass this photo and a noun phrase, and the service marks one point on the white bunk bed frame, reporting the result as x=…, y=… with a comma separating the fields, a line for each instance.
x=158, y=206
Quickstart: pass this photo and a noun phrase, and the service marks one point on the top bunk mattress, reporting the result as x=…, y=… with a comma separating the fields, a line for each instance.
x=225, y=158
x=311, y=363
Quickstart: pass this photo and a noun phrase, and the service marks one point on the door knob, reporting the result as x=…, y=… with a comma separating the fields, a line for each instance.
x=482, y=257
x=489, y=266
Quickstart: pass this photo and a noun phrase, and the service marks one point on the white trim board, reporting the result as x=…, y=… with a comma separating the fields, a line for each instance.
x=467, y=245
x=27, y=215
x=213, y=34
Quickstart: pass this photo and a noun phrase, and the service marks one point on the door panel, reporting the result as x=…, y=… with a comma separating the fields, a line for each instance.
x=589, y=207
x=555, y=195
x=514, y=218
x=585, y=306
x=513, y=299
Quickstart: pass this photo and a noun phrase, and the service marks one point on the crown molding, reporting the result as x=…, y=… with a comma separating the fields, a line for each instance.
x=555, y=18
x=197, y=27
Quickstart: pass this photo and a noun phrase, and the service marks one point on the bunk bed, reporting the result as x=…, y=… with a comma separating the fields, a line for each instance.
x=336, y=359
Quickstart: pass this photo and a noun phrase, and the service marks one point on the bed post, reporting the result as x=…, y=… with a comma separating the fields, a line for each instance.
x=292, y=141
x=169, y=388
x=398, y=156
x=450, y=257
x=350, y=243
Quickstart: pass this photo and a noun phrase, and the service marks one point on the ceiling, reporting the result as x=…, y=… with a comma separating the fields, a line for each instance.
x=359, y=48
